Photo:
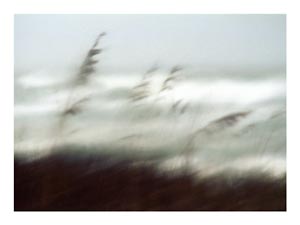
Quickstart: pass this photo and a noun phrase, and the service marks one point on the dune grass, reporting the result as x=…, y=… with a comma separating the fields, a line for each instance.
x=67, y=179
x=73, y=181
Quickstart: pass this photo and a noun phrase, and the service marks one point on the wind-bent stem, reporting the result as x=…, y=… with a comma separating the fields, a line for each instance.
x=72, y=106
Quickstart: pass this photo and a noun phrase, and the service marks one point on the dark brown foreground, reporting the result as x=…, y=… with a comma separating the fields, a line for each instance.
x=96, y=182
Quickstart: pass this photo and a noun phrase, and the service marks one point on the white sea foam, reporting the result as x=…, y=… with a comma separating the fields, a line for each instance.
x=107, y=119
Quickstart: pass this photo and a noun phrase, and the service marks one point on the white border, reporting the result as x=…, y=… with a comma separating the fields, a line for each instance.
x=9, y=8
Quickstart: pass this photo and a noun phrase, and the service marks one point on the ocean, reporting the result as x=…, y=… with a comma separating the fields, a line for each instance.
x=163, y=122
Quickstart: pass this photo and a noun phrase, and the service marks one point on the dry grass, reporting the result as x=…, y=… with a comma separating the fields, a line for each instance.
x=80, y=181
x=73, y=104
x=66, y=180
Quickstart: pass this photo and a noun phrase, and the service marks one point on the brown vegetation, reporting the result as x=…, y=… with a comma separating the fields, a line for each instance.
x=81, y=181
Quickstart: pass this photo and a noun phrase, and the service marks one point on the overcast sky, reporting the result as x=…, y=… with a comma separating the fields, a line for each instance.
x=136, y=41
